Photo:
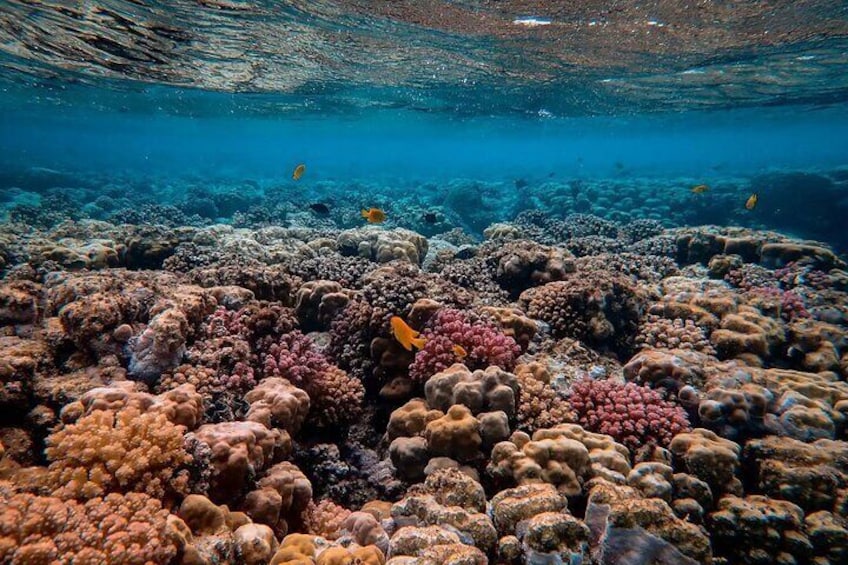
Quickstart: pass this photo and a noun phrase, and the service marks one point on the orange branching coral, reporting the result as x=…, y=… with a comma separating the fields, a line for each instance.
x=325, y=518
x=126, y=451
x=129, y=529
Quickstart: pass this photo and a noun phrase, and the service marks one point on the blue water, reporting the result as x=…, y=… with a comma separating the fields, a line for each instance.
x=388, y=143
x=412, y=102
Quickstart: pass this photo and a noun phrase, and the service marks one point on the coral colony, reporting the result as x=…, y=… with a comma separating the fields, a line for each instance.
x=582, y=389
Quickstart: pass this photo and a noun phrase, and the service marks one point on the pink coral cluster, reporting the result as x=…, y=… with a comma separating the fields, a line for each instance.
x=483, y=343
x=783, y=304
x=336, y=396
x=633, y=415
x=795, y=274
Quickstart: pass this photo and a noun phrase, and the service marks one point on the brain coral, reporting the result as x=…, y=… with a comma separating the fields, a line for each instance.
x=131, y=529
x=483, y=343
x=127, y=451
x=634, y=415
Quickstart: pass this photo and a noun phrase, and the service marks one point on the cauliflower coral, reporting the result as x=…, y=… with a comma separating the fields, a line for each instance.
x=130, y=529
x=483, y=344
x=123, y=451
x=633, y=415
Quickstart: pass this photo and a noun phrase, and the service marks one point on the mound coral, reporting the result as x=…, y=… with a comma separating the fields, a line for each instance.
x=634, y=415
x=482, y=342
x=599, y=308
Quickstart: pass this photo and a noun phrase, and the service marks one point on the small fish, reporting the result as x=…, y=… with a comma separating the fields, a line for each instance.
x=430, y=217
x=699, y=188
x=405, y=335
x=374, y=215
x=459, y=351
x=320, y=208
x=751, y=203
x=521, y=183
x=298, y=171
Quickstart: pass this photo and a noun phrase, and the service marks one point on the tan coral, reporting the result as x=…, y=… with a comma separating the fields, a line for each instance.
x=182, y=405
x=425, y=510
x=325, y=518
x=481, y=391
x=812, y=475
x=239, y=450
x=539, y=406
x=514, y=323
x=747, y=333
x=127, y=451
x=566, y=456
x=131, y=529
x=318, y=302
x=412, y=540
x=411, y=419
x=511, y=506
x=709, y=457
x=281, y=497
x=455, y=435
x=756, y=528
x=276, y=403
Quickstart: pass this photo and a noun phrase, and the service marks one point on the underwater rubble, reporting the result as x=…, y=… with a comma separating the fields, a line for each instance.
x=588, y=390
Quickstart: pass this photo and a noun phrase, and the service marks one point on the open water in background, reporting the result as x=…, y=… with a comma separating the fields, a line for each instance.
x=415, y=92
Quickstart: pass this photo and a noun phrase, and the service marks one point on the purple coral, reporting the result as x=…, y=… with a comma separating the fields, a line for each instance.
x=336, y=396
x=633, y=415
x=784, y=304
x=483, y=343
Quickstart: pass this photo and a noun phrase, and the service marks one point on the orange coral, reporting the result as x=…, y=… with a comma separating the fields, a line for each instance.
x=129, y=529
x=325, y=518
x=119, y=452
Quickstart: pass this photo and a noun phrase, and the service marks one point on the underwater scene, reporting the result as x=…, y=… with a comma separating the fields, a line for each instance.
x=423, y=282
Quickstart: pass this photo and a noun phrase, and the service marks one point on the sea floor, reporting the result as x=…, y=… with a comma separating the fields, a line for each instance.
x=533, y=370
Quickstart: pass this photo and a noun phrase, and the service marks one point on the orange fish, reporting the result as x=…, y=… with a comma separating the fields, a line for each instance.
x=459, y=351
x=374, y=215
x=700, y=188
x=752, y=201
x=405, y=335
x=298, y=171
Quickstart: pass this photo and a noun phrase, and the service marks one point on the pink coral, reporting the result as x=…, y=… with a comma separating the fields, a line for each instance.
x=483, y=343
x=336, y=397
x=778, y=303
x=633, y=415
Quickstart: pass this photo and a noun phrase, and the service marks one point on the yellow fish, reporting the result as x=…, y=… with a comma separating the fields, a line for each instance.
x=751, y=203
x=298, y=171
x=700, y=188
x=374, y=215
x=405, y=335
x=459, y=351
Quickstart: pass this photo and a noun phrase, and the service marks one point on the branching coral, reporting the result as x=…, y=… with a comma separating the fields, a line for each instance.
x=126, y=451
x=597, y=307
x=131, y=529
x=634, y=415
x=336, y=397
x=483, y=344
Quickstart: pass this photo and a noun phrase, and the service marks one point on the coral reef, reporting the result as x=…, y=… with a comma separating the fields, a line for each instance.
x=594, y=387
